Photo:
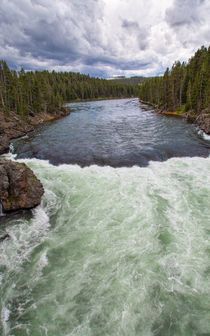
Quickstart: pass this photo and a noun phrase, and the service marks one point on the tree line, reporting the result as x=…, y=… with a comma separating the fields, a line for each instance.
x=135, y=80
x=36, y=91
x=186, y=87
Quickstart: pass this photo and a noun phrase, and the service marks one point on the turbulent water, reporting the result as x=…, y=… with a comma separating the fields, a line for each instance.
x=110, y=251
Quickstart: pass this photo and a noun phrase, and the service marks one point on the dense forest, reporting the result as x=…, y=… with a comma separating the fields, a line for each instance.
x=33, y=92
x=186, y=87
x=135, y=80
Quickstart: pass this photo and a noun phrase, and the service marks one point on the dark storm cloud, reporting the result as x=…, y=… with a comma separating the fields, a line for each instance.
x=48, y=41
x=100, y=37
x=64, y=35
x=140, y=33
x=117, y=64
x=131, y=25
x=184, y=12
x=189, y=21
x=38, y=30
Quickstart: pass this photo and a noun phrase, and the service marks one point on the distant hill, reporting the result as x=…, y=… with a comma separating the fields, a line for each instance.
x=129, y=81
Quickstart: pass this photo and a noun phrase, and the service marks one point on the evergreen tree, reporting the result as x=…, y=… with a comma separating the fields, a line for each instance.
x=186, y=87
x=26, y=92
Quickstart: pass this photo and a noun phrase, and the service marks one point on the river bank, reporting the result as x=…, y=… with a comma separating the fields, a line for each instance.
x=13, y=126
x=202, y=120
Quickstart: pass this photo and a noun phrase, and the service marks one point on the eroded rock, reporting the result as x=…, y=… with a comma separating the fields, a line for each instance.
x=4, y=144
x=203, y=121
x=19, y=187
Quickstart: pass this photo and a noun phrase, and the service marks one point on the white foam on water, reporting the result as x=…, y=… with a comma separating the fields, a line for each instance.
x=9, y=156
x=206, y=136
x=113, y=251
x=24, y=237
x=11, y=148
x=43, y=260
x=24, y=137
x=5, y=313
x=203, y=134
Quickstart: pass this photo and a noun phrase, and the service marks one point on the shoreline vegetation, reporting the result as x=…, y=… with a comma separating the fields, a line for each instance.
x=183, y=91
x=164, y=112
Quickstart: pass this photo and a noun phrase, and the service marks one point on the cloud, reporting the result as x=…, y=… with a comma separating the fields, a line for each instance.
x=48, y=30
x=189, y=21
x=141, y=33
x=130, y=25
x=101, y=37
x=185, y=12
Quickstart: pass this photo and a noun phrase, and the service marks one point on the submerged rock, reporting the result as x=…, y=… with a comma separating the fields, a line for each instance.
x=19, y=187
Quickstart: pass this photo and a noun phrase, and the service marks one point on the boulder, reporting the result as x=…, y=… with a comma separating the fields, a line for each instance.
x=4, y=144
x=19, y=187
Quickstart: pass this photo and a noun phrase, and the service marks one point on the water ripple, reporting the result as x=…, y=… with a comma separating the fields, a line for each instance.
x=116, y=133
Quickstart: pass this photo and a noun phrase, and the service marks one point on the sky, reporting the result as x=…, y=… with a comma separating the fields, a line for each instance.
x=102, y=37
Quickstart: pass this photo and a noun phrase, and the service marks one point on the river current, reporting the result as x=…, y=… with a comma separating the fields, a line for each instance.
x=120, y=244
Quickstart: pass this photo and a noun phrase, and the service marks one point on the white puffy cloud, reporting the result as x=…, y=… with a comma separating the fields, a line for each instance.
x=102, y=37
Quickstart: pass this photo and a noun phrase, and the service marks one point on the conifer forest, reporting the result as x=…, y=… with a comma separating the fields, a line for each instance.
x=25, y=92
x=186, y=87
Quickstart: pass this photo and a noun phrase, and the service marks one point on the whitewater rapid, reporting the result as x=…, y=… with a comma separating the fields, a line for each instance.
x=110, y=251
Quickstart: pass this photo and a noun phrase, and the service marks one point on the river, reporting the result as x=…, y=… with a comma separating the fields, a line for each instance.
x=120, y=244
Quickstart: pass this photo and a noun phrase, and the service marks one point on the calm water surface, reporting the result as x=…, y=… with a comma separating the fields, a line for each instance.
x=120, y=244
x=114, y=132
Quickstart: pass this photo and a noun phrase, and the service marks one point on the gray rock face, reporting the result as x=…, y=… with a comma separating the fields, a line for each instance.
x=4, y=144
x=19, y=187
x=204, y=121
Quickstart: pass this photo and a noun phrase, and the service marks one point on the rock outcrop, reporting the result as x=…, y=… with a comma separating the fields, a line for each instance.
x=13, y=125
x=19, y=187
x=4, y=144
x=203, y=121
